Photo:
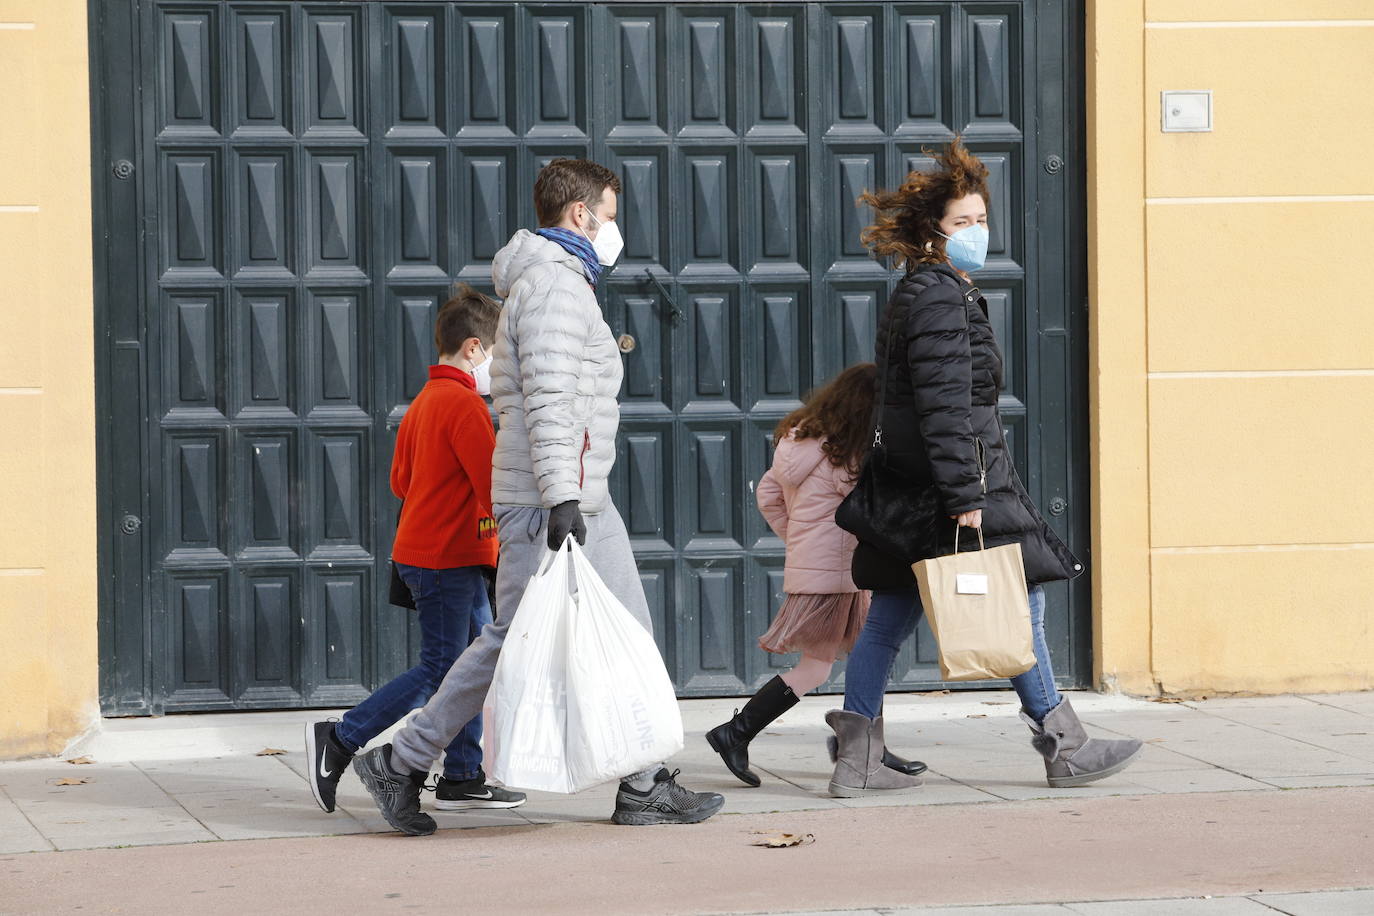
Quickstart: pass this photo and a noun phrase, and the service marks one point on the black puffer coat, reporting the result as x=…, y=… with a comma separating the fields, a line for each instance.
x=943, y=374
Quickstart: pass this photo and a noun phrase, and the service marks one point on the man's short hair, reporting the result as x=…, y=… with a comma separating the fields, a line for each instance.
x=567, y=181
x=466, y=314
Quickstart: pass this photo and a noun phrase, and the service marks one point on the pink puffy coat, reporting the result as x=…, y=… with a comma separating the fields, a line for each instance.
x=798, y=496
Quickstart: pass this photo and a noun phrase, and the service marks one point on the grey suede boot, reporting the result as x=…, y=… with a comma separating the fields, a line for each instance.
x=859, y=766
x=1071, y=757
x=890, y=760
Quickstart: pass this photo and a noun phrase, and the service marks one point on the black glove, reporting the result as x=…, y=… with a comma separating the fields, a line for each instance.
x=565, y=519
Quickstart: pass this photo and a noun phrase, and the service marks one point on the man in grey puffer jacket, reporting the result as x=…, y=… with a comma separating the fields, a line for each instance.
x=555, y=376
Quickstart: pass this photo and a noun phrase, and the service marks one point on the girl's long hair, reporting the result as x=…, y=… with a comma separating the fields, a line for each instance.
x=839, y=413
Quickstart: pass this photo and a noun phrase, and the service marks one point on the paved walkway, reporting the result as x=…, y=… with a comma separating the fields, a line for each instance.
x=1320, y=903
x=1203, y=812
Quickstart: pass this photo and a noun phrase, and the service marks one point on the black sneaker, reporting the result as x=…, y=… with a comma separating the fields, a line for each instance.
x=458, y=795
x=665, y=803
x=327, y=760
x=397, y=795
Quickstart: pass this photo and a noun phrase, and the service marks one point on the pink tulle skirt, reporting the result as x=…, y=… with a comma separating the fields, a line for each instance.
x=823, y=626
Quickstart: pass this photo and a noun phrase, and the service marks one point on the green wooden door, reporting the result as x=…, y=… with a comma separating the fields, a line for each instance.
x=287, y=190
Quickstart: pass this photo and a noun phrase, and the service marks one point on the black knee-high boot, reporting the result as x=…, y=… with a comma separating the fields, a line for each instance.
x=731, y=740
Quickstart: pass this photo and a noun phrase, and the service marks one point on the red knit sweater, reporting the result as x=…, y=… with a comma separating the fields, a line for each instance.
x=442, y=469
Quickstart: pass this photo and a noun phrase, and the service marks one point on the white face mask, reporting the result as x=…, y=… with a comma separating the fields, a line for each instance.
x=608, y=244
x=481, y=373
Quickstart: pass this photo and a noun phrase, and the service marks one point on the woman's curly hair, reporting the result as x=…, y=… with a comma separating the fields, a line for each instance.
x=839, y=413
x=907, y=222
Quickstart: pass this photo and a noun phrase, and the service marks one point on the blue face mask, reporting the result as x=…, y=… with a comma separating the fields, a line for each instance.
x=968, y=248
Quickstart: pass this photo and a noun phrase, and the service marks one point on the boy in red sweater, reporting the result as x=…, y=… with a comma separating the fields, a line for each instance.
x=445, y=541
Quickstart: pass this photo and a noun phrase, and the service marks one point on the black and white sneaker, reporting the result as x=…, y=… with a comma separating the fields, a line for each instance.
x=665, y=803
x=327, y=760
x=456, y=795
x=397, y=795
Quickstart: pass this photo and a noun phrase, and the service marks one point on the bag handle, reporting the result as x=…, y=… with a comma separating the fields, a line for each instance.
x=588, y=581
x=979, y=529
x=553, y=556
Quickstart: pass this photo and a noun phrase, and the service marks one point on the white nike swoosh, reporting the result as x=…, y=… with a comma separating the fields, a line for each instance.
x=327, y=774
x=486, y=794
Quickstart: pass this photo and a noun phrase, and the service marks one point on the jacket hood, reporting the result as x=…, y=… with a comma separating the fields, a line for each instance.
x=795, y=459
x=524, y=251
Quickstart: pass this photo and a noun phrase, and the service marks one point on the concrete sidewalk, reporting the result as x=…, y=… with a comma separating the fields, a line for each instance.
x=191, y=779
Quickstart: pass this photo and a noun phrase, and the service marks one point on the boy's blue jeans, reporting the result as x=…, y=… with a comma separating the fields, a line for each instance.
x=453, y=608
x=892, y=617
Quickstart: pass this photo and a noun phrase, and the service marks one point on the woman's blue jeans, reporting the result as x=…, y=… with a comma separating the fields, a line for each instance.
x=453, y=608
x=892, y=618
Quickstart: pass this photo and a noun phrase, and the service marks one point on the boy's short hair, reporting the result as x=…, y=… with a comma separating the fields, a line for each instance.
x=567, y=181
x=466, y=314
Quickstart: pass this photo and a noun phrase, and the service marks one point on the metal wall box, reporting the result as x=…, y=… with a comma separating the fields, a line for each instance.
x=1185, y=111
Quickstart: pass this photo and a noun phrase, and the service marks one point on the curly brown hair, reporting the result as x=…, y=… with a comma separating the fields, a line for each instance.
x=907, y=222
x=839, y=413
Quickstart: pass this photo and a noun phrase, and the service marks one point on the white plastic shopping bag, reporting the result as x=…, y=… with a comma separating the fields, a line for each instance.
x=622, y=710
x=580, y=695
x=525, y=732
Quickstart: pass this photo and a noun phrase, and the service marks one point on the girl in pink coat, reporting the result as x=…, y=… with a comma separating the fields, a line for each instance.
x=817, y=452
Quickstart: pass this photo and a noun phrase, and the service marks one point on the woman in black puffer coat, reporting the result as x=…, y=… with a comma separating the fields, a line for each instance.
x=943, y=462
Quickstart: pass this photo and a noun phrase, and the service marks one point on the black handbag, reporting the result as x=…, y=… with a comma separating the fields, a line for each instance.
x=399, y=593
x=883, y=508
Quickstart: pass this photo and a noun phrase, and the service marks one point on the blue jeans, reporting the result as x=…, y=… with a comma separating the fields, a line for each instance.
x=453, y=608
x=893, y=617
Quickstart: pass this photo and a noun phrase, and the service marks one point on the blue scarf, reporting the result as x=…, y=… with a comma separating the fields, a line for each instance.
x=577, y=244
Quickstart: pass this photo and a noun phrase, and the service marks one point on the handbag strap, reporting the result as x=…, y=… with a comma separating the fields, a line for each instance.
x=882, y=388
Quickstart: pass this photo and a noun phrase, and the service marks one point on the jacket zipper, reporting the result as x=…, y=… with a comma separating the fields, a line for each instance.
x=982, y=466
x=973, y=291
x=582, y=458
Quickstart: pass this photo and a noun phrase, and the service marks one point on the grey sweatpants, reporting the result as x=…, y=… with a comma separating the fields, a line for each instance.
x=523, y=534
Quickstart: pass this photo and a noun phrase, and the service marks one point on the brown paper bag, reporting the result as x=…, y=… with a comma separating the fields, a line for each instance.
x=979, y=611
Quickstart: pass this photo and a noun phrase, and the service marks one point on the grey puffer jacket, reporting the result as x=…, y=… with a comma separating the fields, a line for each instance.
x=555, y=376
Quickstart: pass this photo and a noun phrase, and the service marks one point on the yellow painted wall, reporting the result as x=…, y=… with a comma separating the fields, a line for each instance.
x=1231, y=332
x=48, y=651
x=1117, y=361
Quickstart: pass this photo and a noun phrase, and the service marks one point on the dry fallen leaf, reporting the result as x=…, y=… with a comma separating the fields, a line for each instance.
x=996, y=702
x=71, y=782
x=784, y=840
x=269, y=752
x=1165, y=700
x=976, y=715
x=80, y=761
